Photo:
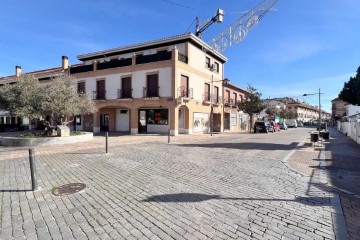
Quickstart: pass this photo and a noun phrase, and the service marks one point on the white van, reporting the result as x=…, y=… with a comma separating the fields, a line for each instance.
x=291, y=123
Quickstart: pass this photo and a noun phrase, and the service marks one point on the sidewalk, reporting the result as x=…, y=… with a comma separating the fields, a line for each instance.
x=341, y=172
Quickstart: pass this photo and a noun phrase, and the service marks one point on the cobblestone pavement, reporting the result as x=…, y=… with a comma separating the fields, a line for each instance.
x=228, y=186
x=341, y=173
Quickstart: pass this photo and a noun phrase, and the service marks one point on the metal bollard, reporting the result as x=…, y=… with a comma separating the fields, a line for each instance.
x=169, y=136
x=107, y=136
x=34, y=184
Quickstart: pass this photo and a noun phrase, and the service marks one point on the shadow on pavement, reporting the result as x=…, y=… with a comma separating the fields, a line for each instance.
x=247, y=145
x=9, y=190
x=198, y=197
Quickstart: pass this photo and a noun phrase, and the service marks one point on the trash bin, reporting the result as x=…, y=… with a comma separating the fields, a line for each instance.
x=314, y=137
x=326, y=135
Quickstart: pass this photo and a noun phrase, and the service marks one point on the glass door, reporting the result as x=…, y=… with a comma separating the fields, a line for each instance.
x=142, y=125
x=104, y=122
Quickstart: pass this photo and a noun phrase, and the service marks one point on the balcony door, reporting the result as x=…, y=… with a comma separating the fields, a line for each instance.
x=100, y=89
x=126, y=87
x=152, y=85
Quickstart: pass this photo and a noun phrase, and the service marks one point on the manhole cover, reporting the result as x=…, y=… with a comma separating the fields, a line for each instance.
x=68, y=189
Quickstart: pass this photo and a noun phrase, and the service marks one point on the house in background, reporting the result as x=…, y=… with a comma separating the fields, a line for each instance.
x=14, y=123
x=338, y=108
x=234, y=120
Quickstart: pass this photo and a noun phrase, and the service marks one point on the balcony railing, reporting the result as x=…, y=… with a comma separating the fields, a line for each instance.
x=114, y=63
x=99, y=95
x=182, y=58
x=122, y=93
x=206, y=97
x=150, y=93
x=216, y=100
x=230, y=102
x=160, y=56
x=81, y=69
x=185, y=92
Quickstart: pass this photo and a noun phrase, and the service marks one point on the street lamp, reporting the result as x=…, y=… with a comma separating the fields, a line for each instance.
x=212, y=98
x=309, y=94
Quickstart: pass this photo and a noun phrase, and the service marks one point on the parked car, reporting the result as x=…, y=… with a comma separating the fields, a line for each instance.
x=283, y=126
x=275, y=126
x=300, y=124
x=291, y=123
x=261, y=126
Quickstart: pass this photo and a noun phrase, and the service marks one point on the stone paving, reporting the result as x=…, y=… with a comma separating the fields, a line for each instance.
x=229, y=186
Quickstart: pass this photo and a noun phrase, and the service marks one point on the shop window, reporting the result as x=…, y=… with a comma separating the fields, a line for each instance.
x=158, y=116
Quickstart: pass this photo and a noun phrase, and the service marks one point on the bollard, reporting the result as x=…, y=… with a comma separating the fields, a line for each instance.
x=34, y=184
x=107, y=136
x=169, y=136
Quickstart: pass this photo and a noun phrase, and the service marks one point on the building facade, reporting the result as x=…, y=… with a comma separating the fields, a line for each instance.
x=173, y=84
x=234, y=120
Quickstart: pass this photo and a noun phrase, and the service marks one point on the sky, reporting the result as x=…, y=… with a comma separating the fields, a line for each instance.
x=299, y=47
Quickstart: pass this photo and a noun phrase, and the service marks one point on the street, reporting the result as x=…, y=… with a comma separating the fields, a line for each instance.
x=225, y=186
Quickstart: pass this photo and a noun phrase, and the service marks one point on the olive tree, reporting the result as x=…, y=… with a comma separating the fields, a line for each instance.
x=52, y=102
x=252, y=103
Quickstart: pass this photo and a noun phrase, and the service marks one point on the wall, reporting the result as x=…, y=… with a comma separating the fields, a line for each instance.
x=351, y=129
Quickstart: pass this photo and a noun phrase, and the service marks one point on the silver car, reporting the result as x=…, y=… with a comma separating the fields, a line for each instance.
x=283, y=126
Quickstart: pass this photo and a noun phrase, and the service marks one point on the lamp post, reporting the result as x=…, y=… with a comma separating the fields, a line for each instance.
x=309, y=94
x=212, y=98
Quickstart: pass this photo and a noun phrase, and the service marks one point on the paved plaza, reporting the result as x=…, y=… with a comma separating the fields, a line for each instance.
x=225, y=186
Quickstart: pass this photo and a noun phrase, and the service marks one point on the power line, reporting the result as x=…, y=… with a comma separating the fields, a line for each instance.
x=179, y=5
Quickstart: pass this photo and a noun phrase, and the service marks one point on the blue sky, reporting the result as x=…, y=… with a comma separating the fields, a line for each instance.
x=301, y=46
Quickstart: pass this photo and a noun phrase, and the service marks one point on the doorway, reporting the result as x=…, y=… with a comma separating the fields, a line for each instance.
x=104, y=122
x=142, y=125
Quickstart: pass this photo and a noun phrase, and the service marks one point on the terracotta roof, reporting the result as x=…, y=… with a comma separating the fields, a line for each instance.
x=35, y=73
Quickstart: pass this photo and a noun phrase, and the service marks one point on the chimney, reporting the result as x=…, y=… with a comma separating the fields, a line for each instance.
x=18, y=71
x=65, y=62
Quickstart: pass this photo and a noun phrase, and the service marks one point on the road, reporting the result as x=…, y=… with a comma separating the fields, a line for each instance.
x=225, y=186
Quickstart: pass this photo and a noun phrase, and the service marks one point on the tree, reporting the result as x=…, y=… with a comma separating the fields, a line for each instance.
x=55, y=101
x=351, y=90
x=286, y=114
x=252, y=103
x=272, y=111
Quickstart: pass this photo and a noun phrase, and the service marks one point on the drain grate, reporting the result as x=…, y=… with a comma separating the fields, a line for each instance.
x=68, y=189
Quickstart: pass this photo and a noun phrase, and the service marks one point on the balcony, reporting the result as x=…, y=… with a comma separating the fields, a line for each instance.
x=182, y=58
x=151, y=92
x=124, y=94
x=81, y=69
x=186, y=93
x=157, y=57
x=99, y=95
x=114, y=63
x=208, y=99
x=230, y=102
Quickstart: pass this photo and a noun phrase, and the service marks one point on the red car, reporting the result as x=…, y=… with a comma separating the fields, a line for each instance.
x=275, y=126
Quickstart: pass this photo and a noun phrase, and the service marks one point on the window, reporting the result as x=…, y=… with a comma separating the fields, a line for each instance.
x=216, y=94
x=207, y=62
x=207, y=92
x=158, y=116
x=234, y=98
x=184, y=89
x=217, y=68
x=126, y=87
x=81, y=87
x=227, y=96
x=152, y=85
